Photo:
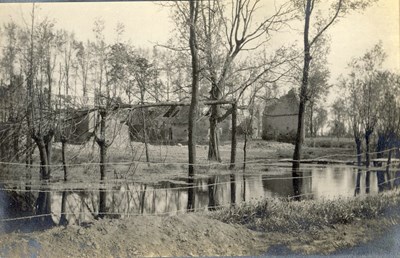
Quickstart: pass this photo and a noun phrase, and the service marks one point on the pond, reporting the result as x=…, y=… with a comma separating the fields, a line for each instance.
x=80, y=201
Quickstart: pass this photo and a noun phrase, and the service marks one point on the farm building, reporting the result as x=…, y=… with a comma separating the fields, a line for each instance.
x=157, y=129
x=169, y=125
x=74, y=125
x=165, y=125
x=280, y=118
x=78, y=126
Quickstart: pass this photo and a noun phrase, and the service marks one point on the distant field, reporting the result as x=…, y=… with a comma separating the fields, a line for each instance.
x=330, y=142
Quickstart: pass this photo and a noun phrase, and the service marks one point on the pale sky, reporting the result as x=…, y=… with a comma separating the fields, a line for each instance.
x=147, y=23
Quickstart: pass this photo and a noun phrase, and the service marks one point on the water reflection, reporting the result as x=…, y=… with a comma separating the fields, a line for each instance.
x=78, y=205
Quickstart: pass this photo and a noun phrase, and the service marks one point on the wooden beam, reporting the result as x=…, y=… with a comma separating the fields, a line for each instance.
x=171, y=104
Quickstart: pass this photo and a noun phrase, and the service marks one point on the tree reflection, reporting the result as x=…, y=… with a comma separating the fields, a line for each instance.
x=43, y=206
x=244, y=188
x=367, y=181
x=211, y=192
x=233, y=189
x=142, y=198
x=191, y=196
x=297, y=183
x=380, y=176
x=358, y=182
x=63, y=218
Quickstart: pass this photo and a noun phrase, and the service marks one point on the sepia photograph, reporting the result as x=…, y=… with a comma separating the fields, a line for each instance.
x=200, y=128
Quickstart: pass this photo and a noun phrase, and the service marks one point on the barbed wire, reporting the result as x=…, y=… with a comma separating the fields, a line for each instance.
x=249, y=172
x=206, y=208
x=104, y=187
x=127, y=163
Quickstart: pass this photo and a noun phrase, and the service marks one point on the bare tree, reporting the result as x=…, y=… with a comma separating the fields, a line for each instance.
x=103, y=101
x=365, y=90
x=12, y=83
x=144, y=73
x=223, y=39
x=224, y=31
x=337, y=10
x=40, y=42
x=193, y=19
x=388, y=122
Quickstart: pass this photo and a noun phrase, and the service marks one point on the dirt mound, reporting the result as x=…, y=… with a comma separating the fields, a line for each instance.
x=184, y=235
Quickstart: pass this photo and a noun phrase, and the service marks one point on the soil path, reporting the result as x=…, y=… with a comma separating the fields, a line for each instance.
x=385, y=245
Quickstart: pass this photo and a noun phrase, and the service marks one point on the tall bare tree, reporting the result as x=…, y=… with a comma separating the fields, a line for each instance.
x=224, y=35
x=224, y=31
x=313, y=31
x=193, y=19
x=365, y=92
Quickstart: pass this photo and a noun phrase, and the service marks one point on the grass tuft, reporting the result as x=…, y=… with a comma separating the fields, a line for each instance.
x=294, y=216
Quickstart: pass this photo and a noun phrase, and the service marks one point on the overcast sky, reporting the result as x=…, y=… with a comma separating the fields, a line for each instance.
x=147, y=23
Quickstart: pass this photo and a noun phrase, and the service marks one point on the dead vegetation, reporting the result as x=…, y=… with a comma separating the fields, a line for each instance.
x=293, y=216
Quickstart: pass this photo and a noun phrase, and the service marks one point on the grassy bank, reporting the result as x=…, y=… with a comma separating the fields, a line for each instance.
x=293, y=216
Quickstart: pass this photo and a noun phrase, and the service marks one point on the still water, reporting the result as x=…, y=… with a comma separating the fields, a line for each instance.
x=126, y=199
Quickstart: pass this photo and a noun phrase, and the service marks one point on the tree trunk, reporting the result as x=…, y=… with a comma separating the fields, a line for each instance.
x=44, y=168
x=358, y=179
x=103, y=159
x=103, y=178
x=193, y=5
x=380, y=146
x=303, y=92
x=246, y=135
x=233, y=141
x=28, y=160
x=145, y=136
x=213, y=146
x=367, y=161
x=49, y=150
x=43, y=200
x=15, y=141
x=244, y=151
x=311, y=120
x=64, y=162
x=312, y=131
x=63, y=218
x=387, y=170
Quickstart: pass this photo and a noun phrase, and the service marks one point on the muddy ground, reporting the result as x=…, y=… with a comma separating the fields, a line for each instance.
x=184, y=235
